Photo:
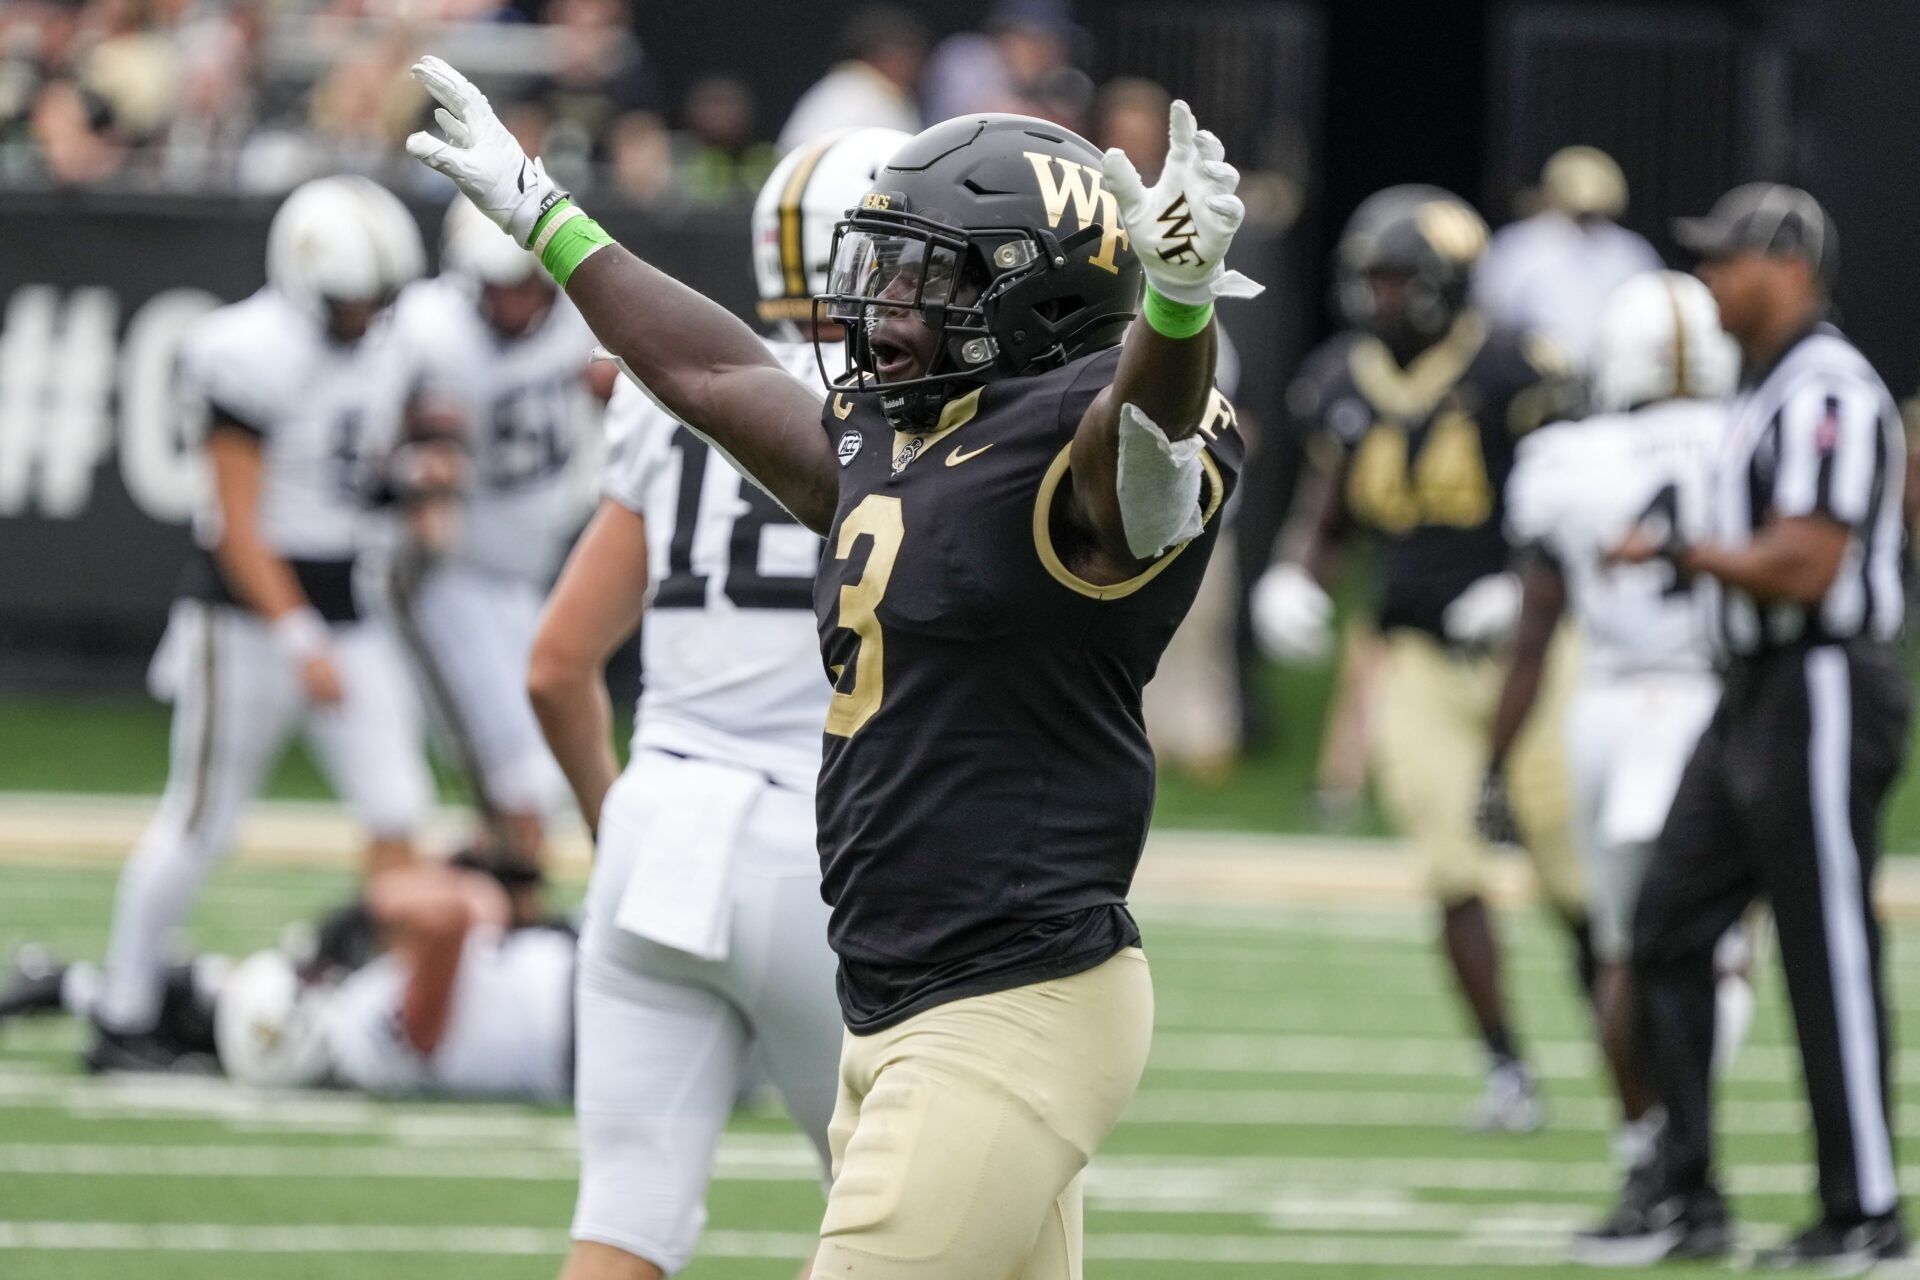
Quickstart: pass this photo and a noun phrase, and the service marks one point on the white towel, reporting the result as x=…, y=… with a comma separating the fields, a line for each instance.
x=688, y=818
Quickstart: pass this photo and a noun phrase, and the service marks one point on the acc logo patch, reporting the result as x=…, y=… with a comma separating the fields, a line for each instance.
x=850, y=446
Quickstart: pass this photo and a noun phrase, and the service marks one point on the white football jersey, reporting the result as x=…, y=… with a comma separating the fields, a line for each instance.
x=729, y=655
x=1578, y=487
x=509, y=1033
x=323, y=410
x=527, y=407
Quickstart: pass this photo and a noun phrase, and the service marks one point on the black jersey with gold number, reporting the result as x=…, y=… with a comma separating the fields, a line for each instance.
x=987, y=781
x=1428, y=449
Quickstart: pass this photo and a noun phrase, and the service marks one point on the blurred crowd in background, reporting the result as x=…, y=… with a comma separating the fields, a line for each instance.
x=259, y=95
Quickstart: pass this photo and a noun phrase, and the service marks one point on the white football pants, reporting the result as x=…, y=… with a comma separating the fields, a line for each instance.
x=237, y=699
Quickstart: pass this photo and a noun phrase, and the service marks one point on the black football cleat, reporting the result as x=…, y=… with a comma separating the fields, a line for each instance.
x=145, y=1052
x=1836, y=1249
x=1651, y=1225
x=34, y=980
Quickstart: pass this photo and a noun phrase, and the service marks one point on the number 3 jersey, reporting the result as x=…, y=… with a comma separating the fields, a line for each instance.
x=729, y=660
x=1426, y=451
x=987, y=782
x=525, y=407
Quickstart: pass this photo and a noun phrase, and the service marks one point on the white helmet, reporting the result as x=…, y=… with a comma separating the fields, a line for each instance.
x=794, y=216
x=269, y=1027
x=344, y=238
x=473, y=246
x=1660, y=339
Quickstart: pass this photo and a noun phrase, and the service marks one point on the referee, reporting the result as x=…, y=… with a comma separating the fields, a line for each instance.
x=1800, y=568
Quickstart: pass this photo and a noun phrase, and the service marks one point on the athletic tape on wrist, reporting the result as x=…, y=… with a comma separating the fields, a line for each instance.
x=1172, y=319
x=567, y=241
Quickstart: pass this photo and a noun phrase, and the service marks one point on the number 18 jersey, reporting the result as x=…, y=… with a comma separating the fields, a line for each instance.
x=729, y=658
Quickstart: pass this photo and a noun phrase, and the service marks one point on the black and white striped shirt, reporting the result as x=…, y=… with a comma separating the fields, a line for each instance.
x=1817, y=435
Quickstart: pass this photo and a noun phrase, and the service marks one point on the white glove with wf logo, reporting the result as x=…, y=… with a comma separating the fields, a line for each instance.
x=1181, y=228
x=480, y=155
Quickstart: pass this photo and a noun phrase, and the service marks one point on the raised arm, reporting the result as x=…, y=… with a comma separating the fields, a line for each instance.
x=1136, y=465
x=690, y=354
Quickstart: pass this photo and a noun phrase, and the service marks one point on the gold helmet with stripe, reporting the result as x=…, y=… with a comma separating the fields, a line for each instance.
x=805, y=197
x=1426, y=236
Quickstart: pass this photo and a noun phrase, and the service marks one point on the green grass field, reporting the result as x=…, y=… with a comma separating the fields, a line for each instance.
x=1298, y=1120
x=118, y=744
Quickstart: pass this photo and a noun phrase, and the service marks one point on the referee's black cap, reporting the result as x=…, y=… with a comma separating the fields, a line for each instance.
x=1764, y=217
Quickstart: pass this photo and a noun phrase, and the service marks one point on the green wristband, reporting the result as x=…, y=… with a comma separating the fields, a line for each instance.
x=1172, y=319
x=564, y=239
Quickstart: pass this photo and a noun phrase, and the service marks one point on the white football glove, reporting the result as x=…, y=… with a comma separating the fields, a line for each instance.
x=1484, y=614
x=1180, y=230
x=480, y=155
x=1292, y=616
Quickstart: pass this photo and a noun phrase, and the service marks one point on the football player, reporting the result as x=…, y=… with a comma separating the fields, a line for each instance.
x=301, y=388
x=705, y=935
x=496, y=360
x=1414, y=414
x=1661, y=366
x=1016, y=474
x=466, y=993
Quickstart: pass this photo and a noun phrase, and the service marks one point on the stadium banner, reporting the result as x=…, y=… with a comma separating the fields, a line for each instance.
x=99, y=465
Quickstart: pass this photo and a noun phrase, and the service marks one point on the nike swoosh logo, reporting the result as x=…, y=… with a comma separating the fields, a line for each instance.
x=957, y=457
x=841, y=406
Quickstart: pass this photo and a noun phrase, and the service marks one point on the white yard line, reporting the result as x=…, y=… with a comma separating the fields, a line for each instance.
x=343, y=1238
x=1288, y=1186
x=466, y=1124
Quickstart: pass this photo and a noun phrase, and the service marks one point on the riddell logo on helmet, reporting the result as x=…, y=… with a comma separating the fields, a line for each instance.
x=1080, y=185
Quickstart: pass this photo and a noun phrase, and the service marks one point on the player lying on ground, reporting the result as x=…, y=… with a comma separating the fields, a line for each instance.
x=1661, y=366
x=467, y=992
x=704, y=932
x=1016, y=476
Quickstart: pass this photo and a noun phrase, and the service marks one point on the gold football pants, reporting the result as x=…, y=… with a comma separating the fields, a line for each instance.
x=1430, y=752
x=960, y=1134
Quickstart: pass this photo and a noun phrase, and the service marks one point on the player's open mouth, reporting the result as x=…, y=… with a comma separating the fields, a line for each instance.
x=891, y=359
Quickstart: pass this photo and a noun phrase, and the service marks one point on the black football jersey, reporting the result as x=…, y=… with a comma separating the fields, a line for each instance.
x=986, y=781
x=1427, y=451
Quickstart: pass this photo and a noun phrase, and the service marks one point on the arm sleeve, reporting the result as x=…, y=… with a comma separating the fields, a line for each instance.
x=1830, y=451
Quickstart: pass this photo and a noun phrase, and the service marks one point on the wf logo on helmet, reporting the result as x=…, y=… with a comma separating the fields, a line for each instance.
x=1079, y=184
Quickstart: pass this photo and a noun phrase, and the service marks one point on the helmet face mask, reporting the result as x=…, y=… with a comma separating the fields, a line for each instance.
x=1404, y=264
x=957, y=271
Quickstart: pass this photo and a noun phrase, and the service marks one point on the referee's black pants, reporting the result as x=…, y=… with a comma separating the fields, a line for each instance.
x=1782, y=799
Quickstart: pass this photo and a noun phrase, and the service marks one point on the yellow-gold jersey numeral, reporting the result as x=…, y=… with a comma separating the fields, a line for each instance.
x=878, y=517
x=1446, y=485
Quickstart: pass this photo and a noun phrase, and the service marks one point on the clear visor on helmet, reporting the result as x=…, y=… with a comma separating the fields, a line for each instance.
x=872, y=267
